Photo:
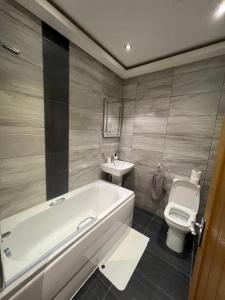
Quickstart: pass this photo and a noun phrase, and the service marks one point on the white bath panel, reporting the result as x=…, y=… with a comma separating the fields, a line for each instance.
x=120, y=265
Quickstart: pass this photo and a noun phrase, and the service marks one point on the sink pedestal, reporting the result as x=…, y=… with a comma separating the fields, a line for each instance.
x=117, y=180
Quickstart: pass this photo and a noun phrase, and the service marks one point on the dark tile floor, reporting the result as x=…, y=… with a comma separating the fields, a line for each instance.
x=160, y=275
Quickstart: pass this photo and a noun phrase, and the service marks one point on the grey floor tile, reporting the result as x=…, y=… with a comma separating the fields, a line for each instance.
x=141, y=217
x=138, y=228
x=137, y=289
x=180, y=262
x=102, y=278
x=153, y=270
x=94, y=289
x=157, y=227
x=160, y=274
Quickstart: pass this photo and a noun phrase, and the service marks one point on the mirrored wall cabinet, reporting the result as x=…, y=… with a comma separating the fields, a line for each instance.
x=112, y=118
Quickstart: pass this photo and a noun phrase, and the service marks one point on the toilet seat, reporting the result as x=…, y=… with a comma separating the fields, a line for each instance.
x=180, y=212
x=179, y=215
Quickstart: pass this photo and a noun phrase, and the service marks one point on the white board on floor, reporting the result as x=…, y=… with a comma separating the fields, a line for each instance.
x=120, y=265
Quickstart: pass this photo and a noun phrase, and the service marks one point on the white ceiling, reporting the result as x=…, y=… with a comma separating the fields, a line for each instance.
x=155, y=28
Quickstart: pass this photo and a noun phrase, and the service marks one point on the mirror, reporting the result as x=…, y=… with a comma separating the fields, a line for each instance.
x=112, y=119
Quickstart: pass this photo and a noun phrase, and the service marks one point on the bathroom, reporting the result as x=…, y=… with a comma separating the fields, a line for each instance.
x=112, y=150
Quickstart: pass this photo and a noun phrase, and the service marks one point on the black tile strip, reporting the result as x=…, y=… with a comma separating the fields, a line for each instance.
x=56, y=99
x=54, y=36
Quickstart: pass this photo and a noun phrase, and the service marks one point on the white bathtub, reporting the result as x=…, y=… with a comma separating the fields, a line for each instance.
x=80, y=226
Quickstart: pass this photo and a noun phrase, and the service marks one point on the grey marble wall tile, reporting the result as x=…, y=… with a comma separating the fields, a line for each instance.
x=223, y=88
x=84, y=119
x=126, y=140
x=204, y=197
x=147, y=158
x=221, y=109
x=155, y=207
x=19, y=76
x=150, y=125
x=129, y=109
x=201, y=126
x=198, y=104
x=19, y=13
x=130, y=89
x=20, y=197
x=214, y=147
x=187, y=145
x=187, y=132
x=127, y=125
x=144, y=201
x=109, y=146
x=201, y=65
x=21, y=141
x=83, y=139
x=90, y=84
x=112, y=84
x=21, y=170
x=81, y=177
x=22, y=135
x=83, y=97
x=157, y=88
x=20, y=110
x=217, y=132
x=111, y=77
x=156, y=75
x=85, y=70
x=85, y=62
x=81, y=159
x=113, y=90
x=153, y=107
x=20, y=36
x=142, y=178
x=125, y=153
x=151, y=141
x=177, y=165
x=203, y=81
x=140, y=199
x=141, y=182
x=210, y=165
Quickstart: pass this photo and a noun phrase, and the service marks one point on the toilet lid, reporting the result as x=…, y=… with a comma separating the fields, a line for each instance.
x=186, y=194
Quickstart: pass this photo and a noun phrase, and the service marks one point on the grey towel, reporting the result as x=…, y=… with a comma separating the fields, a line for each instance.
x=157, y=188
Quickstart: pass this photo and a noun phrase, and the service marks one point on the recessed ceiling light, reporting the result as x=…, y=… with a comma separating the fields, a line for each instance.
x=220, y=11
x=128, y=47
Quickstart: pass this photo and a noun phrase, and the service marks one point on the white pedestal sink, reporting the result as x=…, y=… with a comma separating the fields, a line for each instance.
x=117, y=169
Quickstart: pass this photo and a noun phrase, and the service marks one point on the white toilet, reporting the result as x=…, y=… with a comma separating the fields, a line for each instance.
x=181, y=210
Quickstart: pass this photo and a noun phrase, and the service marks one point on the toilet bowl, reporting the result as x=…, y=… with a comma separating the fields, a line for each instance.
x=180, y=212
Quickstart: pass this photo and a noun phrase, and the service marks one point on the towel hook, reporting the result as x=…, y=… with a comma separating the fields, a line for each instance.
x=160, y=167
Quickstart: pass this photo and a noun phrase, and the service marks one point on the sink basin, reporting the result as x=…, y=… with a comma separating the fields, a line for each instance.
x=117, y=169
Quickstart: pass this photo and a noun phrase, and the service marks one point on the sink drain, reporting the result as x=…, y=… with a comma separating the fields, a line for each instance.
x=103, y=266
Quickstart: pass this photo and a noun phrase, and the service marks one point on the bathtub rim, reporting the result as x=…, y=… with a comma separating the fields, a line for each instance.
x=9, y=223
